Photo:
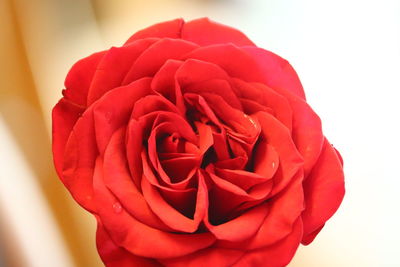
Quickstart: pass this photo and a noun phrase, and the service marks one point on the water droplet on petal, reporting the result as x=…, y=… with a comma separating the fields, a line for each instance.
x=108, y=115
x=117, y=207
x=273, y=165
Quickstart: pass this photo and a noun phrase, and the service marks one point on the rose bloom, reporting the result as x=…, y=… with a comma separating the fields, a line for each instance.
x=191, y=146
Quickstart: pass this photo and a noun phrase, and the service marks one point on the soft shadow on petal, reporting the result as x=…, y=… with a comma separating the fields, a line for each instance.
x=228, y=200
x=169, y=213
x=242, y=227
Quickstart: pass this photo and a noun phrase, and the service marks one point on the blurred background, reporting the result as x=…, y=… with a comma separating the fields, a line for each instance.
x=346, y=52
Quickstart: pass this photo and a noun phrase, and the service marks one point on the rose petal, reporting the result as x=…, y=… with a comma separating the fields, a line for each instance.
x=108, y=116
x=168, y=29
x=220, y=145
x=232, y=59
x=80, y=77
x=276, y=255
x=278, y=72
x=240, y=228
x=195, y=76
x=138, y=238
x=139, y=130
x=265, y=160
x=114, y=256
x=164, y=82
x=251, y=106
x=79, y=160
x=167, y=213
x=227, y=199
x=267, y=97
x=206, y=257
x=180, y=168
x=285, y=209
x=114, y=66
x=279, y=137
x=241, y=178
x=240, y=125
x=307, y=239
x=64, y=115
x=151, y=60
x=117, y=178
x=152, y=103
x=218, y=87
x=307, y=130
x=178, y=126
x=323, y=191
x=204, y=32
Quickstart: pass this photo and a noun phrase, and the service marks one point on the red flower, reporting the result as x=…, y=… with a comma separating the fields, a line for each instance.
x=192, y=146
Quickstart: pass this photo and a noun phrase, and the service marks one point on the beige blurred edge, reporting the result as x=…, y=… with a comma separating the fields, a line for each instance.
x=40, y=224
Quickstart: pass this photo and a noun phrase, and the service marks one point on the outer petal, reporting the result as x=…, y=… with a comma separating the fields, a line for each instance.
x=278, y=72
x=276, y=255
x=323, y=191
x=278, y=136
x=149, y=63
x=234, y=60
x=79, y=160
x=307, y=130
x=80, y=77
x=208, y=257
x=168, y=29
x=114, y=66
x=204, y=32
x=114, y=256
x=65, y=114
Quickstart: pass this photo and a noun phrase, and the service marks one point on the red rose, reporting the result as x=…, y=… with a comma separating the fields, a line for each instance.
x=192, y=146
